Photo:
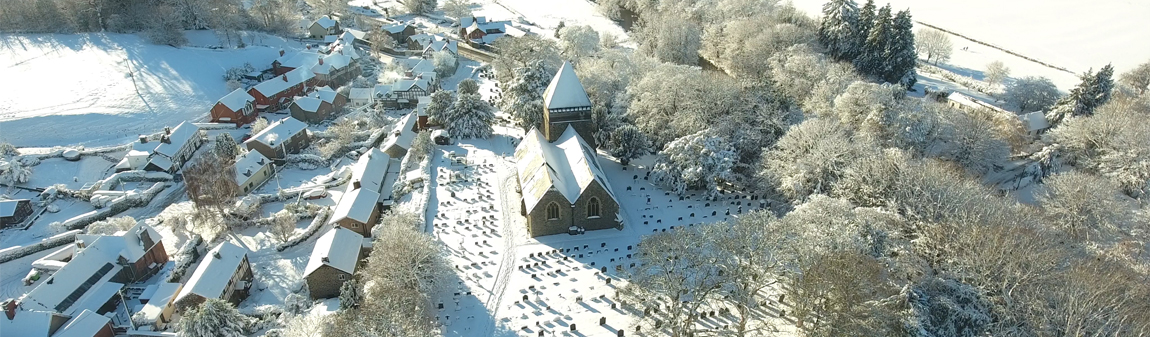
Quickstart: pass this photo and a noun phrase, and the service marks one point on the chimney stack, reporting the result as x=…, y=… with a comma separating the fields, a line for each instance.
x=326, y=260
x=281, y=52
x=10, y=309
x=143, y=139
x=167, y=130
x=216, y=254
x=321, y=61
x=284, y=76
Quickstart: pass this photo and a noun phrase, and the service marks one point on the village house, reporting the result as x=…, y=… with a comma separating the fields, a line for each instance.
x=333, y=261
x=398, y=31
x=360, y=96
x=14, y=211
x=566, y=104
x=479, y=30
x=405, y=93
x=325, y=25
x=174, y=148
x=401, y=137
x=451, y=47
x=421, y=113
x=1035, y=123
x=286, y=136
x=224, y=273
x=159, y=304
x=295, y=60
x=564, y=189
x=310, y=110
x=358, y=210
x=354, y=37
x=360, y=205
x=422, y=40
x=236, y=107
x=334, y=70
x=252, y=170
x=274, y=94
x=89, y=276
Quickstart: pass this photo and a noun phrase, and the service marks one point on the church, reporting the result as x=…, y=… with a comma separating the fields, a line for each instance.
x=564, y=188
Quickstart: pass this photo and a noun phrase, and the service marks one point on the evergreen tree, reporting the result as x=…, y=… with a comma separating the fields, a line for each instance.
x=213, y=318
x=470, y=117
x=349, y=296
x=226, y=147
x=523, y=94
x=866, y=22
x=873, y=59
x=626, y=142
x=901, y=54
x=437, y=109
x=1092, y=92
x=839, y=29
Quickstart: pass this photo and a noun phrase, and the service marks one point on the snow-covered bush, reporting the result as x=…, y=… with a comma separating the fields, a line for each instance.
x=699, y=161
x=1032, y=94
x=1112, y=143
x=811, y=157
x=237, y=73
x=13, y=171
x=445, y=63
x=111, y=225
x=213, y=318
x=259, y=125
x=283, y=225
x=626, y=142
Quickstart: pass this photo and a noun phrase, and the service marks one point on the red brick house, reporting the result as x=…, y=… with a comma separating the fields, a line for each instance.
x=236, y=107
x=276, y=93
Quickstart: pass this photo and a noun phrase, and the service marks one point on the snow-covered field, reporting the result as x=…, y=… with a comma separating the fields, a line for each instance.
x=545, y=18
x=1076, y=35
x=101, y=89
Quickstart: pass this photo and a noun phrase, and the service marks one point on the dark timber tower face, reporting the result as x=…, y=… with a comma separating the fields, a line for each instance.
x=566, y=103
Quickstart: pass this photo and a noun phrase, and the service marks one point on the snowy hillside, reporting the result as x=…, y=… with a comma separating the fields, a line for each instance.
x=99, y=89
x=1076, y=35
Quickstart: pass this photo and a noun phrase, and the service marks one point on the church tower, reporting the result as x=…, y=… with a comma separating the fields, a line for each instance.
x=566, y=103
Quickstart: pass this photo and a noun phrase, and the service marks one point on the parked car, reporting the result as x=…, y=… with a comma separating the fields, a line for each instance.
x=318, y=193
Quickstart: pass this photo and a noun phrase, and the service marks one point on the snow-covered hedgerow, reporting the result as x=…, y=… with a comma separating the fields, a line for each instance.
x=187, y=255
x=12, y=253
x=318, y=222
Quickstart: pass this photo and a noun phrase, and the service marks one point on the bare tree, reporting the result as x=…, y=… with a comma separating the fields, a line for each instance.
x=844, y=293
x=750, y=267
x=1088, y=207
x=670, y=284
x=259, y=125
x=211, y=186
x=996, y=72
x=457, y=9
x=283, y=225
x=935, y=43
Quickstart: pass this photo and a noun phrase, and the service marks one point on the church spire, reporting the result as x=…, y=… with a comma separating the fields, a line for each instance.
x=565, y=90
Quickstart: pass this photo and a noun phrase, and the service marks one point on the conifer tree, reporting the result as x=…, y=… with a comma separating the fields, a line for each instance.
x=873, y=61
x=839, y=29
x=213, y=318
x=902, y=55
x=866, y=22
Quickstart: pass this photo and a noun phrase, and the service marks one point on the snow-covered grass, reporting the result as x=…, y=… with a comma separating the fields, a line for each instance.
x=544, y=18
x=1077, y=35
x=101, y=89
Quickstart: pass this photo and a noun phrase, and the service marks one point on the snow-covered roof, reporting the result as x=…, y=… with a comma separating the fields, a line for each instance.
x=330, y=38
x=389, y=179
x=331, y=62
x=325, y=94
x=179, y=137
x=237, y=99
x=568, y=166
x=408, y=84
x=369, y=170
x=161, y=162
x=84, y=283
x=164, y=294
x=338, y=248
x=28, y=323
x=326, y=22
x=211, y=277
x=281, y=130
x=565, y=90
x=8, y=207
x=467, y=21
x=423, y=39
x=355, y=33
x=360, y=93
x=309, y=104
x=357, y=204
x=248, y=163
x=436, y=46
x=87, y=324
x=423, y=66
x=402, y=135
x=394, y=28
x=278, y=84
x=1035, y=121
x=299, y=59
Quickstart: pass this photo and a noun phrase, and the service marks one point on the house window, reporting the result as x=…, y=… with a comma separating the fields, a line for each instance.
x=343, y=277
x=552, y=211
x=593, y=208
x=354, y=225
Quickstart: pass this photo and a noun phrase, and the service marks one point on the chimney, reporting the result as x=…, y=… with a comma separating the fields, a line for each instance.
x=167, y=130
x=326, y=260
x=10, y=309
x=321, y=61
x=216, y=254
x=143, y=139
x=284, y=76
x=248, y=173
x=164, y=139
x=281, y=52
x=309, y=47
